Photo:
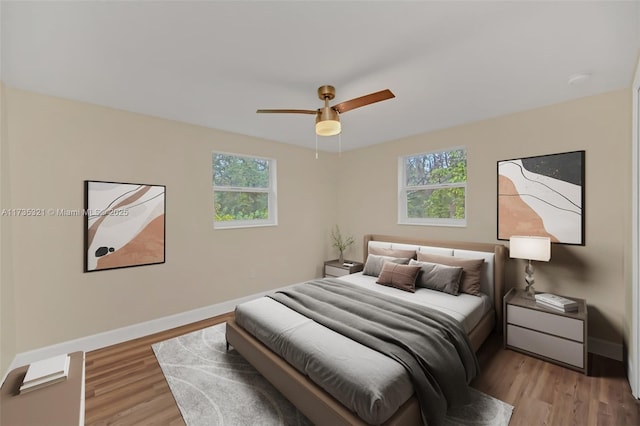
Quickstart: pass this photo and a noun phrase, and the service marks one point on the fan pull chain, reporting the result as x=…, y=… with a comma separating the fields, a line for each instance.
x=316, y=146
x=340, y=144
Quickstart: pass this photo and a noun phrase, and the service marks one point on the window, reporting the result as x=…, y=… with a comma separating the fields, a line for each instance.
x=432, y=188
x=244, y=191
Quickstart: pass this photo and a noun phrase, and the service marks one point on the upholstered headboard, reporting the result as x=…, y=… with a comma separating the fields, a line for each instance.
x=495, y=255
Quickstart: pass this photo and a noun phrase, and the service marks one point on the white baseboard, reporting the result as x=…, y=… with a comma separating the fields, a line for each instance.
x=119, y=335
x=630, y=374
x=606, y=348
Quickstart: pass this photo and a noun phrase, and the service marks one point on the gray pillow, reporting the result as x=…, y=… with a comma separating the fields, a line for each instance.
x=374, y=263
x=438, y=277
x=471, y=270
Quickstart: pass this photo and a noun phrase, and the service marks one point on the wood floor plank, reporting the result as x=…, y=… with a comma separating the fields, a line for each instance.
x=125, y=386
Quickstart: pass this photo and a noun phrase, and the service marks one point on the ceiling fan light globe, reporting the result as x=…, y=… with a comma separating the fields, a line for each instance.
x=328, y=128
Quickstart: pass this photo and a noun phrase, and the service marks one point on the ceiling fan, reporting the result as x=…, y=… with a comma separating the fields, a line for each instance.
x=328, y=117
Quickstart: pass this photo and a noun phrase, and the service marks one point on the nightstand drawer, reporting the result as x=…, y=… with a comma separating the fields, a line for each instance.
x=550, y=323
x=549, y=346
x=335, y=272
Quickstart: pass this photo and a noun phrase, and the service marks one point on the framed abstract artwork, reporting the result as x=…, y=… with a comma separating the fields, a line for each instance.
x=542, y=196
x=124, y=225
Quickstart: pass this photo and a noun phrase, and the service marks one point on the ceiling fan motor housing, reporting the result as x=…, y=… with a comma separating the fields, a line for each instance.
x=327, y=113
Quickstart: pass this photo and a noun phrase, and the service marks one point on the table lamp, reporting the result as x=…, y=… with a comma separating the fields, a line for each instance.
x=530, y=248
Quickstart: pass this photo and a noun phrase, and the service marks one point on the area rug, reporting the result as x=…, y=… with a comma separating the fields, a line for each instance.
x=214, y=387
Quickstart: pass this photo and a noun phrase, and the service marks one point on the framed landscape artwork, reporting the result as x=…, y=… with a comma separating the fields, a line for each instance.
x=124, y=225
x=542, y=196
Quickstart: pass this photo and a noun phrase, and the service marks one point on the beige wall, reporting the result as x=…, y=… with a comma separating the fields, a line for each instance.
x=600, y=125
x=55, y=145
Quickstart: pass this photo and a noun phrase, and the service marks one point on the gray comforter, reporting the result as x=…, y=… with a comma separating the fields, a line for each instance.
x=430, y=345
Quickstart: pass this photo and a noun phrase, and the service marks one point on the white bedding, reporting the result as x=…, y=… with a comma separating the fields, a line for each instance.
x=371, y=384
x=366, y=381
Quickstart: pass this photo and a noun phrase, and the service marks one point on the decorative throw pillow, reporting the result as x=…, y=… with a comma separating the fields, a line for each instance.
x=438, y=277
x=472, y=270
x=402, y=277
x=397, y=253
x=374, y=263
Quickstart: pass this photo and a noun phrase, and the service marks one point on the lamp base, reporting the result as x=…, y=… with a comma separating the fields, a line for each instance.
x=529, y=291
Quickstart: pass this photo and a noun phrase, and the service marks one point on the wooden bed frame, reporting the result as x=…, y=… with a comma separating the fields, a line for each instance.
x=320, y=407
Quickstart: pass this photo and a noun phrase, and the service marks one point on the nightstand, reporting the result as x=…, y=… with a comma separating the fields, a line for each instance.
x=334, y=268
x=553, y=335
x=57, y=404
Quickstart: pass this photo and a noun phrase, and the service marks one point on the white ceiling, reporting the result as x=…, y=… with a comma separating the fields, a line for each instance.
x=214, y=63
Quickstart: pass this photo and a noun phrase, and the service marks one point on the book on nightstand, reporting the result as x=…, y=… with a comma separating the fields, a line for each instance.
x=557, y=302
x=46, y=372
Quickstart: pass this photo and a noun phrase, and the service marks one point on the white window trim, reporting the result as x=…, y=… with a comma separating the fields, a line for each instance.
x=403, y=218
x=272, y=203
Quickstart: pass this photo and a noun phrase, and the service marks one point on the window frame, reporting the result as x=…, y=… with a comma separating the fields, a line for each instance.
x=403, y=189
x=271, y=191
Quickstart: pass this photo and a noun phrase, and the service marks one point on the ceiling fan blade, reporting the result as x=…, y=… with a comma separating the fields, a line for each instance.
x=371, y=98
x=287, y=111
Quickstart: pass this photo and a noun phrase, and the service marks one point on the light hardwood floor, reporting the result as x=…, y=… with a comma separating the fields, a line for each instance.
x=125, y=386
x=547, y=394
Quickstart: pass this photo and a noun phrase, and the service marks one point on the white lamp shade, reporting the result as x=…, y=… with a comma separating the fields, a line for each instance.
x=530, y=248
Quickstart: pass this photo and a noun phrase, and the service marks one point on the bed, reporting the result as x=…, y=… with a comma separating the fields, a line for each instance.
x=274, y=338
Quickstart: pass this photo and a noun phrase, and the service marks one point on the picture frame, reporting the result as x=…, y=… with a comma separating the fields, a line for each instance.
x=124, y=225
x=542, y=196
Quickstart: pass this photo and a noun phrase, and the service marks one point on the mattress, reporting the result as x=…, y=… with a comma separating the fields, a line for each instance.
x=366, y=381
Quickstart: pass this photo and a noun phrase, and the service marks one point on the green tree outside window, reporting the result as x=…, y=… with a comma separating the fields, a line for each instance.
x=433, y=188
x=244, y=190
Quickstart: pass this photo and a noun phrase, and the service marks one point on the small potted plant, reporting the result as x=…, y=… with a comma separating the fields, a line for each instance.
x=340, y=242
